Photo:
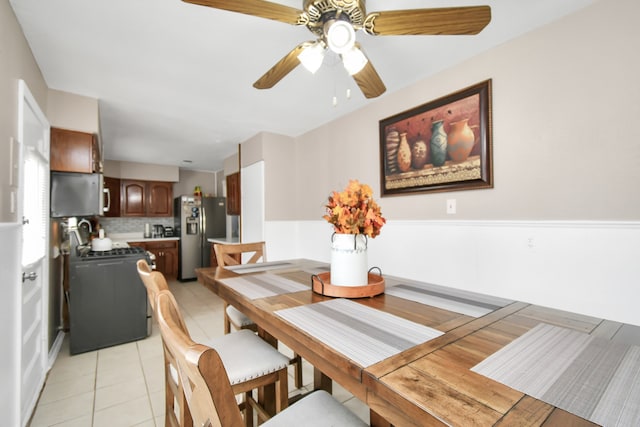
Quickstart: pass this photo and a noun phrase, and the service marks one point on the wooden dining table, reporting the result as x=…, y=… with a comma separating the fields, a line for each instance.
x=431, y=383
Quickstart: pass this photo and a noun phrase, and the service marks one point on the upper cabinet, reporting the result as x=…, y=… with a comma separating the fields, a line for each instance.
x=133, y=198
x=160, y=198
x=73, y=151
x=146, y=198
x=233, y=194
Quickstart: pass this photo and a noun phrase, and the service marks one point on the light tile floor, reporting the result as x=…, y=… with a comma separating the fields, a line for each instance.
x=124, y=385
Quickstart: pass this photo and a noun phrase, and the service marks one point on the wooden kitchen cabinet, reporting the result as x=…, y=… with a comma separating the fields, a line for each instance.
x=160, y=198
x=166, y=253
x=113, y=185
x=73, y=151
x=233, y=194
x=133, y=196
x=146, y=198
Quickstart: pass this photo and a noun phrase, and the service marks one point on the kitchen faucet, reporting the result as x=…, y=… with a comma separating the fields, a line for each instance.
x=85, y=221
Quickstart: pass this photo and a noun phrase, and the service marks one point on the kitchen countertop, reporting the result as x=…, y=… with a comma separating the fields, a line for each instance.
x=224, y=240
x=136, y=237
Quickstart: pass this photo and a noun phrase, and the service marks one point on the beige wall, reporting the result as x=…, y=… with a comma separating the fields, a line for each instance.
x=70, y=111
x=231, y=164
x=565, y=108
x=16, y=62
x=143, y=171
x=279, y=175
x=251, y=150
x=189, y=179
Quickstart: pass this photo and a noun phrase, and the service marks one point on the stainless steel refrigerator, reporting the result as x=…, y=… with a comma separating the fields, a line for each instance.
x=196, y=220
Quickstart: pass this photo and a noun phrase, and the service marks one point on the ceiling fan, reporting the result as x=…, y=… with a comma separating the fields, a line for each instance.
x=334, y=23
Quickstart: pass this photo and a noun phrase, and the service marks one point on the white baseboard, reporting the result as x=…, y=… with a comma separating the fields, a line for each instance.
x=55, y=349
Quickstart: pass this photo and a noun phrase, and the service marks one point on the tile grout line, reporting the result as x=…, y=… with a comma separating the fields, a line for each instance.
x=95, y=386
x=146, y=384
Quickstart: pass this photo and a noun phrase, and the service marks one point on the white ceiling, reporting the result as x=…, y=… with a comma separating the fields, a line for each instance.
x=174, y=80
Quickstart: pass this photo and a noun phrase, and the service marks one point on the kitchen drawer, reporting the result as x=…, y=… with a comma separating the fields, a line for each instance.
x=161, y=244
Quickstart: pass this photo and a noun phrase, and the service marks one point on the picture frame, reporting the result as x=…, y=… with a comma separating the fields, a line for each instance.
x=442, y=145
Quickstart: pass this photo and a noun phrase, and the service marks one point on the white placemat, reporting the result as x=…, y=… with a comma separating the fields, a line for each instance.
x=264, y=285
x=594, y=378
x=258, y=267
x=456, y=300
x=363, y=334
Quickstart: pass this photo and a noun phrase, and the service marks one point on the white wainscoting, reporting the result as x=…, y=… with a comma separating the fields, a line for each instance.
x=10, y=310
x=591, y=268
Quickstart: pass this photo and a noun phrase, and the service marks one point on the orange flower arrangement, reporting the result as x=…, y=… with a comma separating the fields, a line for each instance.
x=353, y=211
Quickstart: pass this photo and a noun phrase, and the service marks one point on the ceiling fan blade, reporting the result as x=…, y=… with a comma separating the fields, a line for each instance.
x=260, y=8
x=282, y=68
x=445, y=21
x=369, y=81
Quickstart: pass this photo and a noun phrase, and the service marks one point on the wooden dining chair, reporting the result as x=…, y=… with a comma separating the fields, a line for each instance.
x=210, y=395
x=176, y=410
x=231, y=254
x=250, y=363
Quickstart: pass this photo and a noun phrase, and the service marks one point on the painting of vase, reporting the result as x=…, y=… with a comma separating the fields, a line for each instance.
x=438, y=143
x=460, y=140
x=442, y=145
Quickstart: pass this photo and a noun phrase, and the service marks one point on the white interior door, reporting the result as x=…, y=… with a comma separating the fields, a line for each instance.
x=33, y=208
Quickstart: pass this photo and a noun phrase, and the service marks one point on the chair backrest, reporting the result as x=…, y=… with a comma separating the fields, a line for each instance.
x=202, y=376
x=228, y=254
x=153, y=281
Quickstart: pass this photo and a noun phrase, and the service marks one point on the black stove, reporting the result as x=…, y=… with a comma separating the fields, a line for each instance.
x=108, y=302
x=116, y=253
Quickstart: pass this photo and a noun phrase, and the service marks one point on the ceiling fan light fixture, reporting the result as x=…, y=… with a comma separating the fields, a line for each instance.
x=312, y=56
x=340, y=36
x=354, y=60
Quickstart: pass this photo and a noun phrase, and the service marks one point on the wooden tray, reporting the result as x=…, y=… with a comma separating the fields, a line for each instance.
x=322, y=285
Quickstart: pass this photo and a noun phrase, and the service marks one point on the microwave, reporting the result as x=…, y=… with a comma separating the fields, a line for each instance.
x=77, y=194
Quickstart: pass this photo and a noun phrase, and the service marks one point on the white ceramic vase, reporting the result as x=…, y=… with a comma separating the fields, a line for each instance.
x=349, y=260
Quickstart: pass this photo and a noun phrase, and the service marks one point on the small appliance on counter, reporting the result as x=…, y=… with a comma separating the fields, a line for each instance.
x=147, y=231
x=158, y=231
x=168, y=232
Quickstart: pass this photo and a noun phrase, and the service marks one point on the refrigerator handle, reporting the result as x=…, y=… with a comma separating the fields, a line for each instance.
x=203, y=225
x=203, y=233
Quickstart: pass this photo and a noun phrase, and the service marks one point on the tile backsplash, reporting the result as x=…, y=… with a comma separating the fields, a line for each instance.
x=132, y=225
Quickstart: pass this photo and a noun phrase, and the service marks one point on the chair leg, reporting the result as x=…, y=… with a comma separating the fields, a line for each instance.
x=227, y=322
x=282, y=391
x=248, y=410
x=297, y=369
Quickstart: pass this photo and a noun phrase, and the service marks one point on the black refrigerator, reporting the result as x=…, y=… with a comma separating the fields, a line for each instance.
x=197, y=219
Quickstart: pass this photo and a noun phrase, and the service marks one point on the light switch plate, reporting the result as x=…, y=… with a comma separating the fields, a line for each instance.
x=14, y=162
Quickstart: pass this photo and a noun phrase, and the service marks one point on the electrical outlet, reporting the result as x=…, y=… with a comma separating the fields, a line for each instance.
x=451, y=206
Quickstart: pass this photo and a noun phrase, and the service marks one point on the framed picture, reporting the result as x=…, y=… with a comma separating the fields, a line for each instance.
x=443, y=145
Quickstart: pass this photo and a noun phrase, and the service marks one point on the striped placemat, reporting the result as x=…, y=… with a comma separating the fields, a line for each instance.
x=594, y=378
x=363, y=334
x=459, y=301
x=264, y=285
x=258, y=267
